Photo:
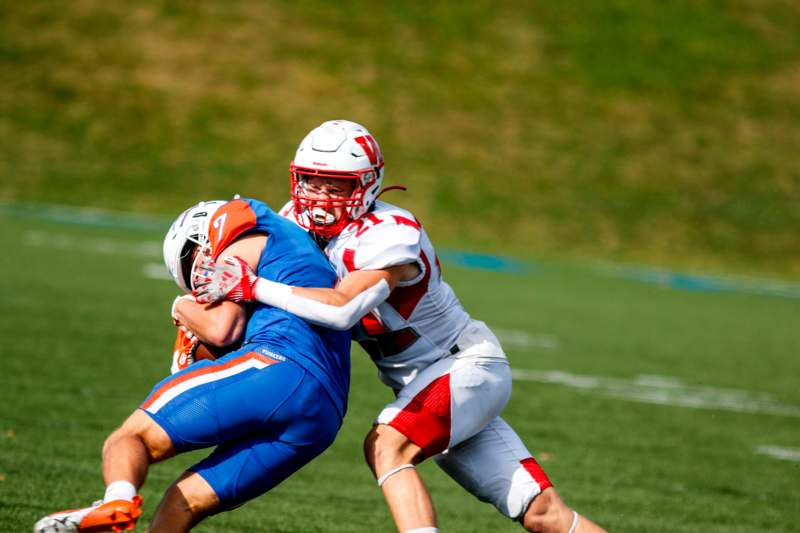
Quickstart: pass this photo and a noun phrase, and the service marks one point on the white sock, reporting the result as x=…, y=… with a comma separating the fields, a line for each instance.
x=423, y=530
x=120, y=490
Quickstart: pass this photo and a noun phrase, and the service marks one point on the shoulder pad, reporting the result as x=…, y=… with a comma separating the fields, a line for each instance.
x=385, y=241
x=229, y=222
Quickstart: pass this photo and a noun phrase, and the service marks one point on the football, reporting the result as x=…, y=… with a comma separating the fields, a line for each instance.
x=206, y=351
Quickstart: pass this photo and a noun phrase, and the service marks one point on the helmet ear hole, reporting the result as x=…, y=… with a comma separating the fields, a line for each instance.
x=188, y=233
x=188, y=253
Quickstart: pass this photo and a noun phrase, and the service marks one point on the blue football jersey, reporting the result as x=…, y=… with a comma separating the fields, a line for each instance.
x=290, y=256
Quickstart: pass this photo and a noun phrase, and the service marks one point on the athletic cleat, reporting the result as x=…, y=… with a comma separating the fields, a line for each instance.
x=117, y=515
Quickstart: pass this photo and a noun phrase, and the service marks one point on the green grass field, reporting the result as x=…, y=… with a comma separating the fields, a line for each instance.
x=86, y=333
x=585, y=138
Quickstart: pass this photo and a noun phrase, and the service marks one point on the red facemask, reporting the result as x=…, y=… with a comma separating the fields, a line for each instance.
x=327, y=217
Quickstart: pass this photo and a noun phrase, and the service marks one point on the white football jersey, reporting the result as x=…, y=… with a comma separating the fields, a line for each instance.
x=451, y=377
x=422, y=318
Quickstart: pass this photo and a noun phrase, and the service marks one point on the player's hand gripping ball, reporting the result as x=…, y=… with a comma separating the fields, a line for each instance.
x=183, y=351
x=230, y=278
x=189, y=349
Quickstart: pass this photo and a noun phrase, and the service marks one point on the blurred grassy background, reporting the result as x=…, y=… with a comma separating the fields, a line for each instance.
x=660, y=132
x=647, y=131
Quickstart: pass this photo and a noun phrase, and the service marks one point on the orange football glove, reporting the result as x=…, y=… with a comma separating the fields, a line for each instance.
x=183, y=351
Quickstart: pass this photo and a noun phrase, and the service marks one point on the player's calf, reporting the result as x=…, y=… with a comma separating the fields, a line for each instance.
x=391, y=456
x=547, y=513
x=186, y=502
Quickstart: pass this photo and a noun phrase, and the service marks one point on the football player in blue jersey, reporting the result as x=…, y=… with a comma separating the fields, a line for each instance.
x=269, y=406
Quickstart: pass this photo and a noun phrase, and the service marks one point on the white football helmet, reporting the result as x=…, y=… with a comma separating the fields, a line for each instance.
x=337, y=149
x=189, y=231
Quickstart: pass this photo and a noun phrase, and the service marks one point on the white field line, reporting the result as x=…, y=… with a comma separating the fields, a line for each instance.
x=156, y=271
x=149, y=249
x=95, y=245
x=95, y=217
x=665, y=391
x=522, y=339
x=85, y=216
x=778, y=452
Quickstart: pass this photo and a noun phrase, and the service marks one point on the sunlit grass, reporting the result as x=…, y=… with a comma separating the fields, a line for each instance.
x=637, y=130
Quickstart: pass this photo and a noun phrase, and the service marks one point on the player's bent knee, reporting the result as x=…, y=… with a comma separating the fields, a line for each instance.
x=186, y=502
x=191, y=494
x=547, y=513
x=386, y=448
x=369, y=450
x=200, y=499
x=110, y=441
x=156, y=442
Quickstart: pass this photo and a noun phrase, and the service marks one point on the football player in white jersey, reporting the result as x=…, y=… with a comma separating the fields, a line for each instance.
x=448, y=371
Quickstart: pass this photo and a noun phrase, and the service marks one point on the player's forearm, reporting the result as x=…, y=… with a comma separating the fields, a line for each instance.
x=219, y=325
x=324, y=307
x=321, y=295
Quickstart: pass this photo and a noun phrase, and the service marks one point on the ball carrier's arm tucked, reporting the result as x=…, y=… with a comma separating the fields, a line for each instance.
x=223, y=323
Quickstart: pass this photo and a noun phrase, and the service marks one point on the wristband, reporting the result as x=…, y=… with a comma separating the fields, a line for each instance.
x=175, y=302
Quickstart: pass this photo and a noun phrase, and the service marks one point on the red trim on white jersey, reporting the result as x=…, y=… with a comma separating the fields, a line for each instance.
x=366, y=222
x=287, y=211
x=371, y=323
x=405, y=299
x=349, y=259
x=407, y=221
x=419, y=323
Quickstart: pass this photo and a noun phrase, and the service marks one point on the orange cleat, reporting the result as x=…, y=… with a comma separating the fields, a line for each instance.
x=117, y=515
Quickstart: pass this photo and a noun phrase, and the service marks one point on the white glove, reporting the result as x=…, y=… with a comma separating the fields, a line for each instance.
x=230, y=278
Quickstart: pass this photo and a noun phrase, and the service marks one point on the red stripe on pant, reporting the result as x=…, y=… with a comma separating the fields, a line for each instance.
x=425, y=421
x=536, y=473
